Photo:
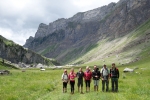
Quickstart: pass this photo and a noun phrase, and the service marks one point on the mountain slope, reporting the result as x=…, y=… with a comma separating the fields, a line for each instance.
x=130, y=48
x=70, y=39
x=16, y=53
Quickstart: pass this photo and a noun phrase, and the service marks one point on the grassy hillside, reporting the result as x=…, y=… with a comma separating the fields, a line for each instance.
x=34, y=84
x=123, y=50
x=6, y=65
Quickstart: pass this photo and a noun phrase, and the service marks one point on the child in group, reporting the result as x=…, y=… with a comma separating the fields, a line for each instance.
x=65, y=80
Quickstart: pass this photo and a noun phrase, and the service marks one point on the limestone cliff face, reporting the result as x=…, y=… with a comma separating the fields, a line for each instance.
x=43, y=28
x=67, y=39
x=16, y=53
x=127, y=15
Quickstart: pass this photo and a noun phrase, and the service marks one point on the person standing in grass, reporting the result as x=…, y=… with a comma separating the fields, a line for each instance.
x=72, y=76
x=80, y=76
x=96, y=76
x=114, y=74
x=65, y=80
x=87, y=77
x=105, y=75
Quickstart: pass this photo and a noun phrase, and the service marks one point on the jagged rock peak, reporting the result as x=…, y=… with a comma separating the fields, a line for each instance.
x=28, y=41
x=42, y=25
x=81, y=17
x=93, y=15
x=42, y=30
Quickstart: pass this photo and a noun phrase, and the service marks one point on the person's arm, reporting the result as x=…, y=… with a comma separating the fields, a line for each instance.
x=76, y=74
x=84, y=76
x=69, y=77
x=90, y=75
x=118, y=73
x=99, y=74
x=93, y=75
x=102, y=77
x=110, y=73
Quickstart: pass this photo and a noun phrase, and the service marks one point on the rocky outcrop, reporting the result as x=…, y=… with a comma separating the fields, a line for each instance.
x=68, y=39
x=4, y=72
x=43, y=28
x=16, y=53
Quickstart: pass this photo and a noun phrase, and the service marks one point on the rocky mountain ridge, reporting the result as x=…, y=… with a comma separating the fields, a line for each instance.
x=17, y=54
x=69, y=39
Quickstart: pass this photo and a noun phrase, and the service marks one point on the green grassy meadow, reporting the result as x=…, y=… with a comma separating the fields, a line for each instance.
x=34, y=84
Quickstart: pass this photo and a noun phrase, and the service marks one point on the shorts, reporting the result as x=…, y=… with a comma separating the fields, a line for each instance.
x=96, y=82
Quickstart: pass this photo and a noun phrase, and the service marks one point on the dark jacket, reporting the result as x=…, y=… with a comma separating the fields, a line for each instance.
x=80, y=75
x=96, y=73
x=114, y=73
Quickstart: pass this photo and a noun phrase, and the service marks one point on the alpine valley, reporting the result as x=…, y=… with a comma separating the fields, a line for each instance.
x=118, y=32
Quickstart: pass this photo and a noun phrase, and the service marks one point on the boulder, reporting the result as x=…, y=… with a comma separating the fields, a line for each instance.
x=42, y=69
x=4, y=72
x=128, y=70
x=39, y=66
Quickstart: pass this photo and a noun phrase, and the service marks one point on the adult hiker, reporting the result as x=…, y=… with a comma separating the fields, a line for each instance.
x=72, y=76
x=114, y=74
x=105, y=75
x=87, y=77
x=80, y=76
x=65, y=80
x=96, y=76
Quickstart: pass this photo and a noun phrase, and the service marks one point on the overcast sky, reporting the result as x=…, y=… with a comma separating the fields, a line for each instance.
x=19, y=19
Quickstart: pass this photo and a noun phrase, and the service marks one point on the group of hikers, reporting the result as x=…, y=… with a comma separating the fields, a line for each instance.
x=104, y=74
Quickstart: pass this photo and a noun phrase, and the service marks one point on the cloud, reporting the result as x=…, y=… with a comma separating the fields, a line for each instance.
x=21, y=18
x=19, y=37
